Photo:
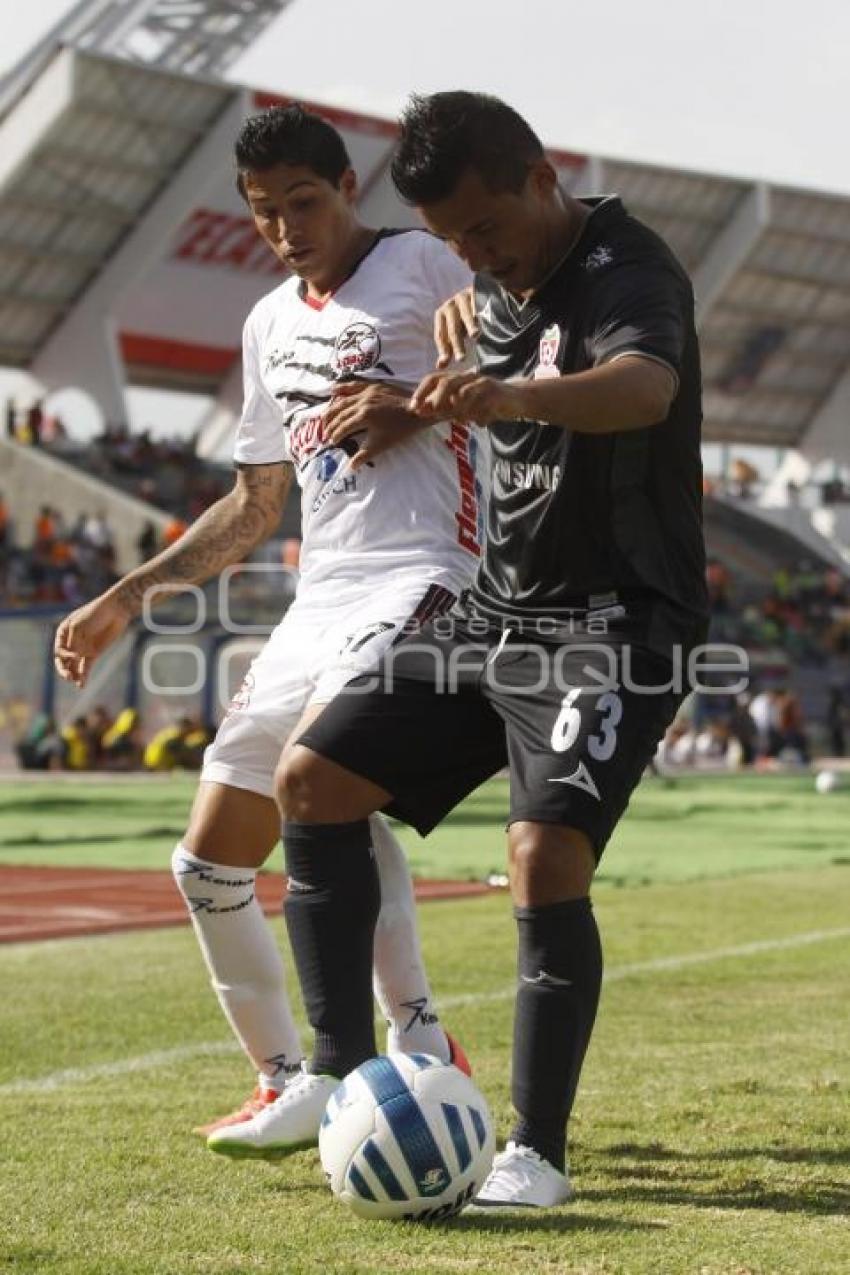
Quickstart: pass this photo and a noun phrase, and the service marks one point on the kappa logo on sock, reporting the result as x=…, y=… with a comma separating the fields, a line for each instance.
x=208, y=905
x=274, y=1066
x=202, y=871
x=421, y=1013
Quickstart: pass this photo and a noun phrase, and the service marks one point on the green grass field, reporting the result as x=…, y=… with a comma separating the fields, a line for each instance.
x=684, y=829
x=712, y=1131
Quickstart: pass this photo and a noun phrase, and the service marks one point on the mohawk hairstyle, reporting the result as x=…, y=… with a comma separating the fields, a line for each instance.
x=290, y=135
x=446, y=134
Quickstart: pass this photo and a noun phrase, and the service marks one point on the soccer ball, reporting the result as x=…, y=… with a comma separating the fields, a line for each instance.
x=406, y=1136
x=827, y=781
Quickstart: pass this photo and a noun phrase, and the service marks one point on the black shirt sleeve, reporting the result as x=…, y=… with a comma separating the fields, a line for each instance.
x=640, y=308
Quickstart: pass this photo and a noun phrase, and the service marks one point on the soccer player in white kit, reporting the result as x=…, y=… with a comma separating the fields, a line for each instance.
x=392, y=525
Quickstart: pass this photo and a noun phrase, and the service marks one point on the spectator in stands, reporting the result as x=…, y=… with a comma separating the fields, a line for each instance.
x=167, y=749
x=743, y=476
x=717, y=580
x=677, y=746
x=790, y=731
x=45, y=527
x=763, y=713
x=97, y=724
x=35, y=423
x=147, y=543
x=195, y=743
x=76, y=753
x=96, y=531
x=836, y=721
x=5, y=552
x=41, y=747
x=174, y=529
x=711, y=746
x=743, y=730
x=122, y=743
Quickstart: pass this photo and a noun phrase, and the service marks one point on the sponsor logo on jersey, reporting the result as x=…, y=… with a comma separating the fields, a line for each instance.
x=306, y=437
x=601, y=256
x=527, y=476
x=329, y=463
x=581, y=778
x=547, y=355
x=469, y=518
x=357, y=349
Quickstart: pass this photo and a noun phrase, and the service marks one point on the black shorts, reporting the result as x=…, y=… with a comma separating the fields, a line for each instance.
x=576, y=721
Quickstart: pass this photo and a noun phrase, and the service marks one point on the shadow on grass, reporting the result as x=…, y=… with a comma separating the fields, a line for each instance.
x=39, y=803
x=89, y=839
x=541, y=1222
x=655, y=1151
x=668, y=1184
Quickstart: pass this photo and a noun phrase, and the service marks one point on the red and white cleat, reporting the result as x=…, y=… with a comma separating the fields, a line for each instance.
x=259, y=1100
x=458, y=1057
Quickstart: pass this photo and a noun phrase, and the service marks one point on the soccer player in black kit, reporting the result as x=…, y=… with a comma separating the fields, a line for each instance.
x=569, y=656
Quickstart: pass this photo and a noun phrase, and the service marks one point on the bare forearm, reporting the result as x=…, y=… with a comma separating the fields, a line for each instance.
x=623, y=395
x=628, y=393
x=224, y=534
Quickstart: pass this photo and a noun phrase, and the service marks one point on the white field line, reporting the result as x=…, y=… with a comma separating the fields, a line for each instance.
x=185, y=1053
x=63, y=911
x=127, y=923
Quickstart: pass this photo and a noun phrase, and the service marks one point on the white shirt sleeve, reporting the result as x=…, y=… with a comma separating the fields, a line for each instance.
x=444, y=269
x=260, y=436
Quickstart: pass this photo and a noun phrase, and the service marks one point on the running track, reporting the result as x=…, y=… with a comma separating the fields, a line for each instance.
x=52, y=903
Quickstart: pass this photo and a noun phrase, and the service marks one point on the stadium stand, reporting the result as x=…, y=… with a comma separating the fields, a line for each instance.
x=126, y=258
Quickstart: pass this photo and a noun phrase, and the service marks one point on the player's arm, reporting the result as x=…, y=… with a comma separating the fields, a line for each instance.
x=630, y=393
x=637, y=326
x=224, y=534
x=379, y=410
x=455, y=327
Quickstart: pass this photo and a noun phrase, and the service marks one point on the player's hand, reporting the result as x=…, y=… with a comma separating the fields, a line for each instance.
x=455, y=325
x=371, y=408
x=84, y=635
x=467, y=396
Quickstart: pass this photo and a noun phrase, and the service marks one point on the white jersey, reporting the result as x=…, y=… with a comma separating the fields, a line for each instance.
x=419, y=507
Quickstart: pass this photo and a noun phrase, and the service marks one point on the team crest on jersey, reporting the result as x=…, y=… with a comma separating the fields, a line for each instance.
x=547, y=356
x=242, y=698
x=357, y=349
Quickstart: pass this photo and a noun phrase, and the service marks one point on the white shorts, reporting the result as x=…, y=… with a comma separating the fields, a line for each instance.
x=318, y=646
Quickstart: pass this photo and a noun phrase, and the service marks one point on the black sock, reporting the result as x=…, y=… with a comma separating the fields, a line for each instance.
x=560, y=975
x=331, y=908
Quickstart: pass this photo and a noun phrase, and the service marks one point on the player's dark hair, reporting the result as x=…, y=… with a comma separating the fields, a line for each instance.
x=290, y=135
x=446, y=134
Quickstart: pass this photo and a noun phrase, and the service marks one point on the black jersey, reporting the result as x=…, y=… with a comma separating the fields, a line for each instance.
x=579, y=516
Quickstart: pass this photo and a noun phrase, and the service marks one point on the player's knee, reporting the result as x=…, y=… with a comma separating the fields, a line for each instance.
x=298, y=785
x=549, y=864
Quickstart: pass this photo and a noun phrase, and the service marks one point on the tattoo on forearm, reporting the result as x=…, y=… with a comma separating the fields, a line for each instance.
x=226, y=533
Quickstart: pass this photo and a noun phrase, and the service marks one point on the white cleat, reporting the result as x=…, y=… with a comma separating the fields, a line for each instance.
x=520, y=1178
x=289, y=1123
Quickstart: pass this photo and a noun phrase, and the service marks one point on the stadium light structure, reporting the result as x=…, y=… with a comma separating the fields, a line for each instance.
x=197, y=37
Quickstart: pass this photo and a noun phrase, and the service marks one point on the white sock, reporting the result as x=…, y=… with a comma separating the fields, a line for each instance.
x=401, y=984
x=245, y=965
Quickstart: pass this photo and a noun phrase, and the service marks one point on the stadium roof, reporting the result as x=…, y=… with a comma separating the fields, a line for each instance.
x=85, y=152
x=116, y=200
